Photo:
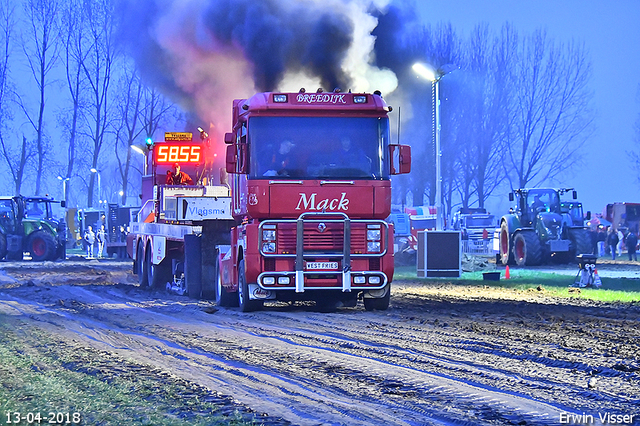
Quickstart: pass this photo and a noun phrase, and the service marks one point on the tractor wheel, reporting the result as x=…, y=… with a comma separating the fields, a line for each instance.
x=506, y=251
x=3, y=246
x=381, y=304
x=527, y=250
x=223, y=298
x=42, y=246
x=580, y=242
x=143, y=267
x=245, y=304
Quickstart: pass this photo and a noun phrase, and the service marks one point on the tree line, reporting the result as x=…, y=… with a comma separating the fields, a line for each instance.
x=515, y=108
x=71, y=101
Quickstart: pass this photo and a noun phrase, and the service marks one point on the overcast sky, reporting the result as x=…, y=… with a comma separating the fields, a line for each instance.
x=611, y=32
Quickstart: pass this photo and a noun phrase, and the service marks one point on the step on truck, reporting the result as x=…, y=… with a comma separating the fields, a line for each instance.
x=309, y=189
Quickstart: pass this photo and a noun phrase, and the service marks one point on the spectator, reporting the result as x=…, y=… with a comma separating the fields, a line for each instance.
x=620, y=241
x=602, y=241
x=90, y=240
x=613, y=240
x=101, y=237
x=631, y=241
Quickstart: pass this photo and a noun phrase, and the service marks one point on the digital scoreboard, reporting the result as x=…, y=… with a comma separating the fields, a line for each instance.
x=177, y=148
x=168, y=153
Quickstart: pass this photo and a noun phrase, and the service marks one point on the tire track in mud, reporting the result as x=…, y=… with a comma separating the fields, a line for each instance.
x=323, y=373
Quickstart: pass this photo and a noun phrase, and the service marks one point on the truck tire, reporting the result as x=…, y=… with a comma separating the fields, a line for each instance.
x=159, y=274
x=143, y=265
x=381, y=304
x=506, y=249
x=580, y=243
x=244, y=303
x=3, y=246
x=527, y=249
x=42, y=246
x=223, y=297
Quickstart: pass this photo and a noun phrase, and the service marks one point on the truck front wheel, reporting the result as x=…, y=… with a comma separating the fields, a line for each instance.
x=223, y=297
x=381, y=304
x=245, y=304
x=42, y=246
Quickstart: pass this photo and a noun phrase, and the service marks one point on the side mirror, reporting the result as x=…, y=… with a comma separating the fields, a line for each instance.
x=575, y=195
x=511, y=197
x=589, y=215
x=229, y=138
x=231, y=159
x=63, y=204
x=404, y=159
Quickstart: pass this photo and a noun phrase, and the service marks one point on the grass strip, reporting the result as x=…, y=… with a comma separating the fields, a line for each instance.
x=613, y=290
x=41, y=375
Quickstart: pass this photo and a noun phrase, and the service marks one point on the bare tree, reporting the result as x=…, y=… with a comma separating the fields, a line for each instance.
x=551, y=109
x=15, y=157
x=74, y=56
x=635, y=154
x=101, y=53
x=40, y=47
x=142, y=110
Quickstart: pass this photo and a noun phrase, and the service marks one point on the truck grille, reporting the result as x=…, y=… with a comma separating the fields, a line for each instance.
x=329, y=241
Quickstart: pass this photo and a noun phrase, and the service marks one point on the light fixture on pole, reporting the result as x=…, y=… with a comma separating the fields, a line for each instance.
x=435, y=76
x=94, y=170
x=144, y=154
x=64, y=187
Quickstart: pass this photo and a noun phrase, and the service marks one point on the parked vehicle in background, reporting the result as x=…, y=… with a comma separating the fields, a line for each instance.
x=476, y=228
x=541, y=228
x=623, y=215
x=27, y=224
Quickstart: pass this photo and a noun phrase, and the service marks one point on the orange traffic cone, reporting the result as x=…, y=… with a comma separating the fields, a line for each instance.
x=506, y=273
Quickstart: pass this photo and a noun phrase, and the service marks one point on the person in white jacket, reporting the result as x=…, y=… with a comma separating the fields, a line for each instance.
x=620, y=241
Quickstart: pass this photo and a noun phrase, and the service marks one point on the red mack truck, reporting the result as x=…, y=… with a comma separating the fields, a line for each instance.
x=309, y=191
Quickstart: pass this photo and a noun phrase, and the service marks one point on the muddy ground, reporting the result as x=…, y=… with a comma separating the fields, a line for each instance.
x=441, y=354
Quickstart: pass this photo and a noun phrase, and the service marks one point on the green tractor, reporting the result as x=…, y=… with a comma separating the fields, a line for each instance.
x=27, y=225
x=542, y=228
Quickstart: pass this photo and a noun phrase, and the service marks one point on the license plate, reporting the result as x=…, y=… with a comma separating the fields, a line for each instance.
x=322, y=265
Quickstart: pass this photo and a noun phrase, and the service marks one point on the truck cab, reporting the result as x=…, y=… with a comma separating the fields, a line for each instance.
x=311, y=191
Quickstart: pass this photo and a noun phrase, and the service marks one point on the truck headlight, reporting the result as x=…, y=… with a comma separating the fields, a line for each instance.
x=268, y=235
x=269, y=247
x=373, y=234
x=268, y=281
x=373, y=246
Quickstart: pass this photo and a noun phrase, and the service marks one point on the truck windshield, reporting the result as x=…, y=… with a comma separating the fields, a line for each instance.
x=318, y=147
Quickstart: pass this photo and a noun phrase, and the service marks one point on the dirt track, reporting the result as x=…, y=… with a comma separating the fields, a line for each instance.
x=440, y=355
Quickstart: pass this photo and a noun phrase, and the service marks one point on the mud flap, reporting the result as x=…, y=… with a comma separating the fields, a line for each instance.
x=193, y=265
